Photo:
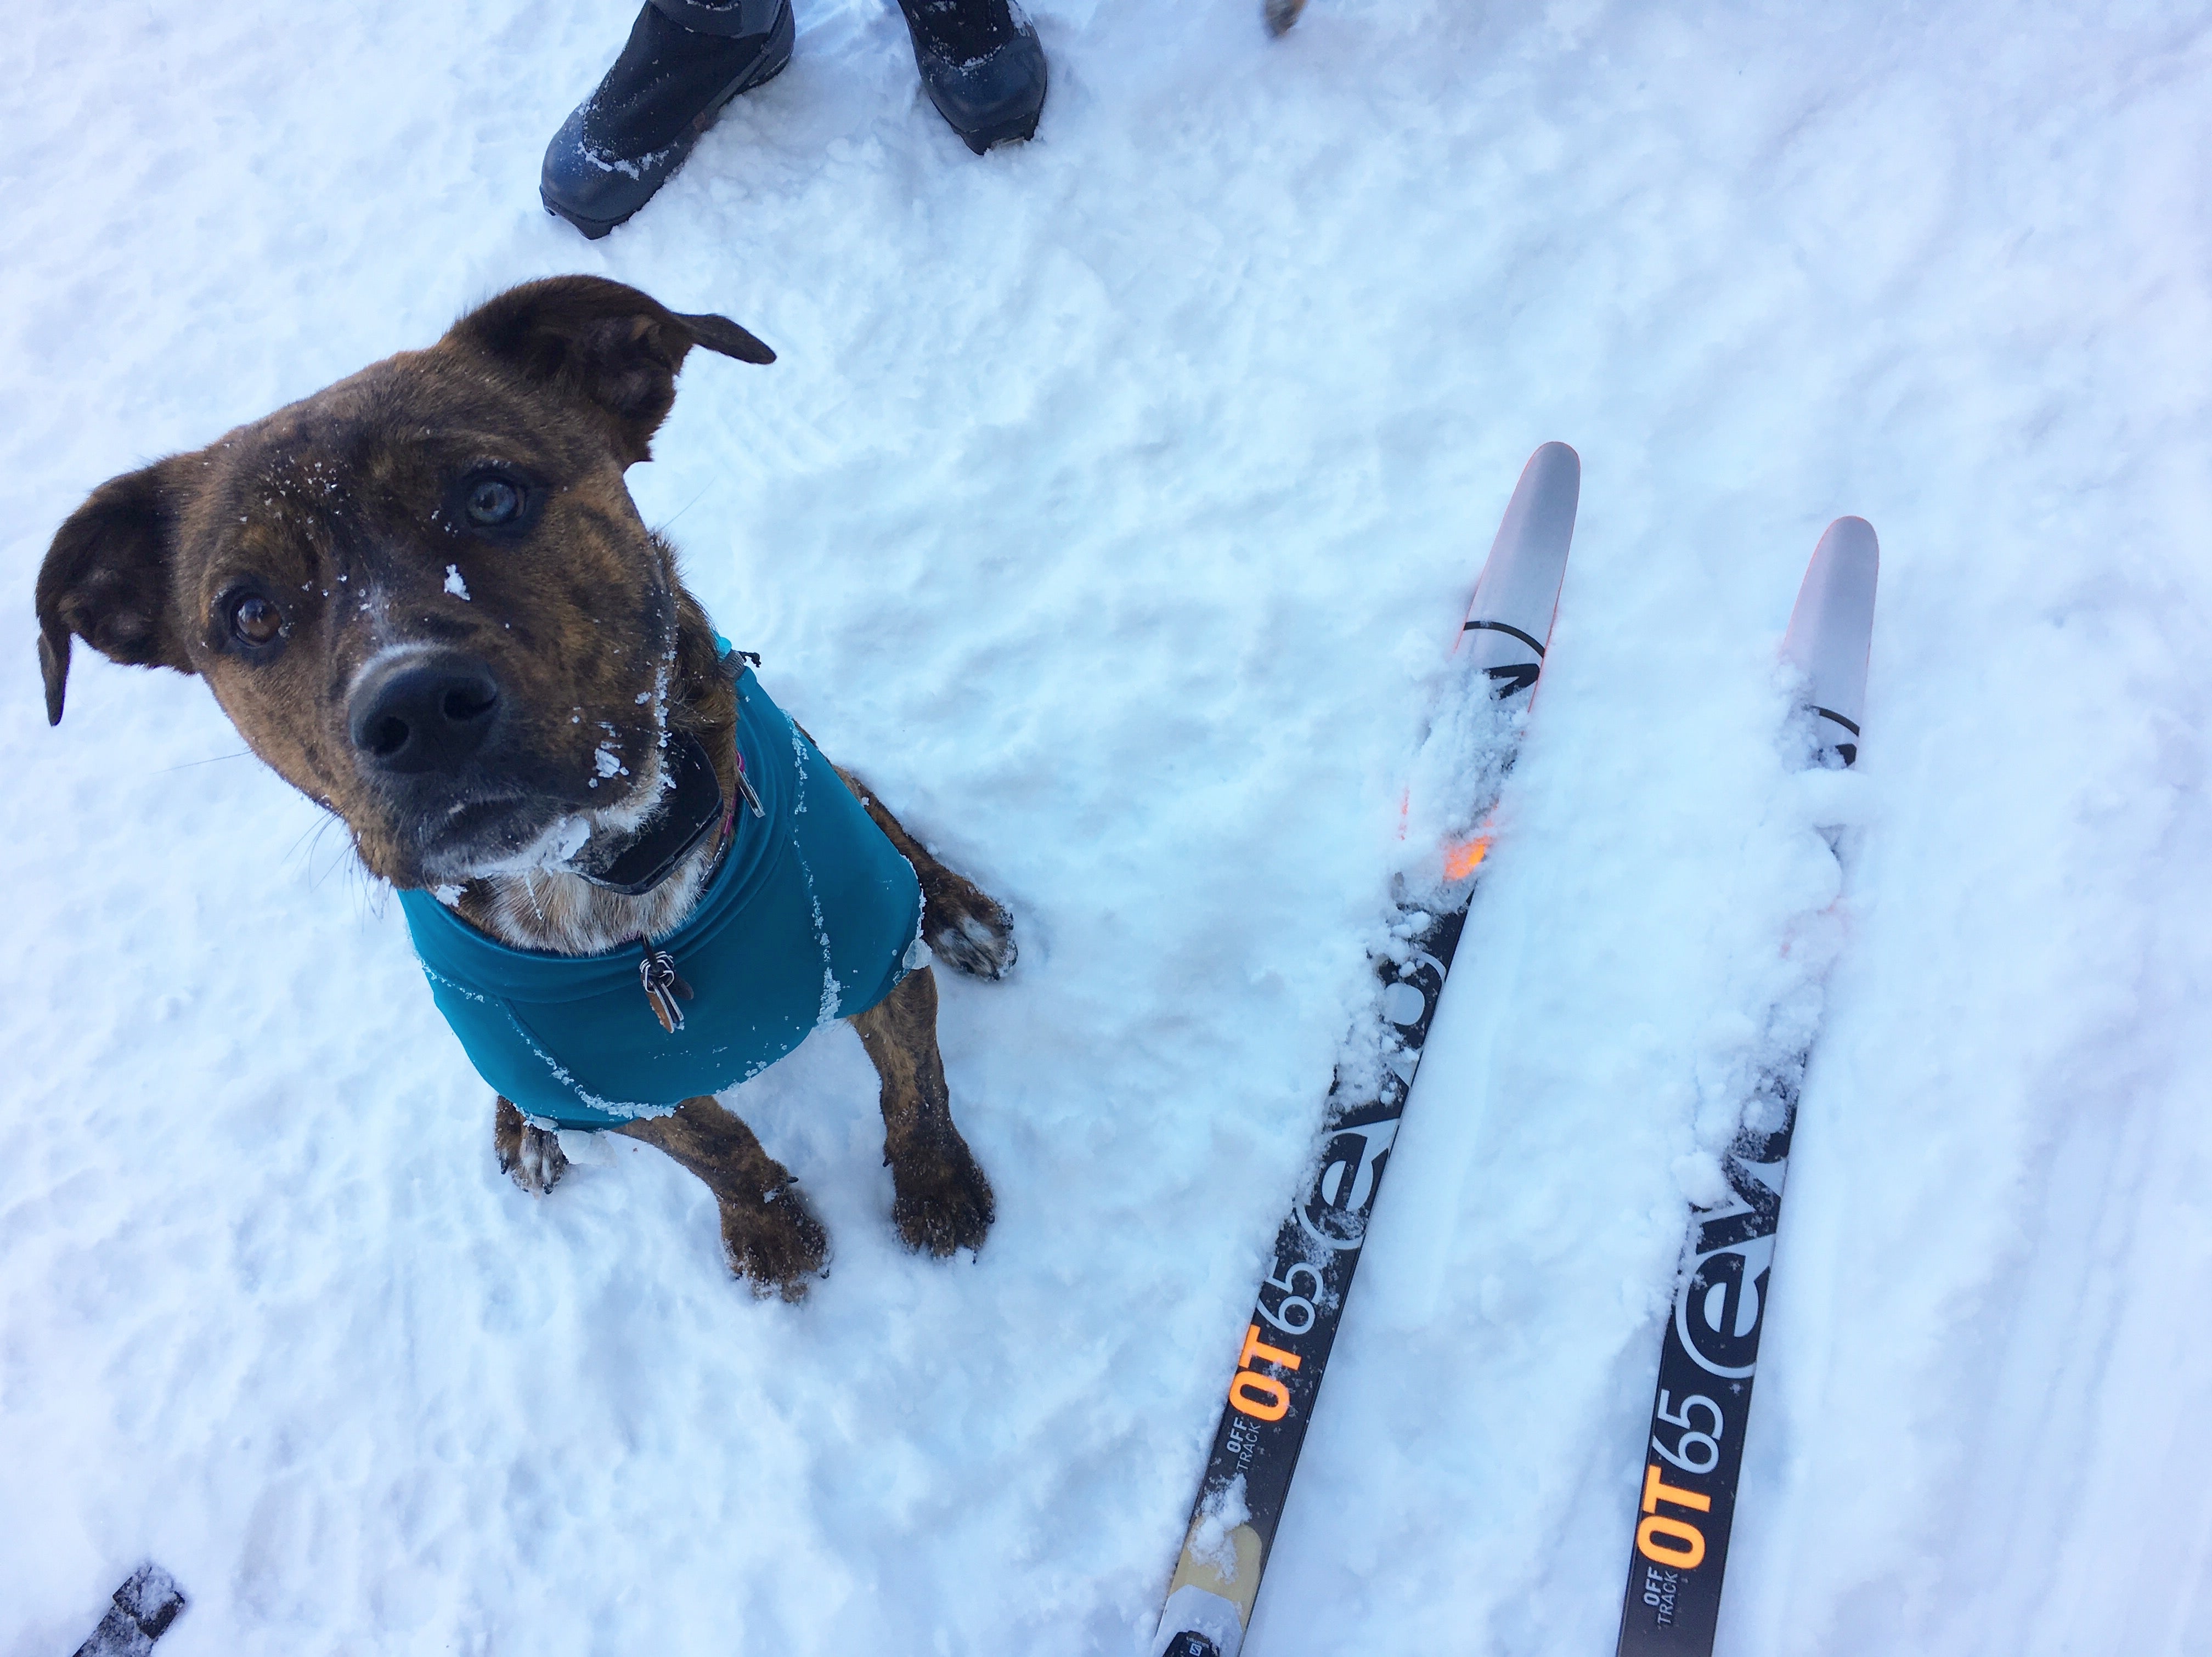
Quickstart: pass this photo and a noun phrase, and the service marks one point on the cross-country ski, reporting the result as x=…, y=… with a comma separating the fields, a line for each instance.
x=1499, y=652
x=1693, y=1450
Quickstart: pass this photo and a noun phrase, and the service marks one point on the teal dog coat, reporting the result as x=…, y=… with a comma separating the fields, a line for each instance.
x=809, y=918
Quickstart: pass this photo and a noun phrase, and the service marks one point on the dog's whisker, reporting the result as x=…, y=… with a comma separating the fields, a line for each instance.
x=310, y=841
x=301, y=842
x=663, y=528
x=186, y=765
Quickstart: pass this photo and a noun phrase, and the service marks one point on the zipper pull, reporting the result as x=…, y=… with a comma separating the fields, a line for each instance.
x=664, y=986
x=745, y=788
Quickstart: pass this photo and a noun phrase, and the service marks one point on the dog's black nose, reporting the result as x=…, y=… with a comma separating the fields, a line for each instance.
x=426, y=711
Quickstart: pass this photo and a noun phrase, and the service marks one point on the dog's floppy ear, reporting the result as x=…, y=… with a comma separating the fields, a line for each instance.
x=106, y=580
x=608, y=344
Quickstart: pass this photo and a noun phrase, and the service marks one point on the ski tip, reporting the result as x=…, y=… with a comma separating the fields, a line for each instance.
x=1517, y=594
x=1281, y=14
x=1851, y=540
x=1832, y=631
x=1550, y=489
x=1553, y=475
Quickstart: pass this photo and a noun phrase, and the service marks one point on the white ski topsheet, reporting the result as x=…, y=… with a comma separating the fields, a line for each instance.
x=1107, y=509
x=1832, y=631
x=1517, y=594
x=1470, y=734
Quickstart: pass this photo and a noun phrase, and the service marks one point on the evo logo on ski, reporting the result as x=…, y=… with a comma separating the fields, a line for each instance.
x=1718, y=1315
x=1693, y=1453
x=1303, y=1294
x=1286, y=1340
x=1695, y=1448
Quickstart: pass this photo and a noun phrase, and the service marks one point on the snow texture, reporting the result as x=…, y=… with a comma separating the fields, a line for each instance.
x=1110, y=508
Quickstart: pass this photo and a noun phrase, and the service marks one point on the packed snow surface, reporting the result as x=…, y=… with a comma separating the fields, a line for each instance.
x=1110, y=508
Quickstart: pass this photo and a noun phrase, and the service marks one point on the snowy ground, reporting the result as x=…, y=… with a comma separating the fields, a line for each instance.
x=1110, y=508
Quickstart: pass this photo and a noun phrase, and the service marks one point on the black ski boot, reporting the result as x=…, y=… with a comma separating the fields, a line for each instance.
x=981, y=65
x=628, y=138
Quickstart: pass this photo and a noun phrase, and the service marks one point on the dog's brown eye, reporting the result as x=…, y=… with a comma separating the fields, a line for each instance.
x=255, y=620
x=493, y=501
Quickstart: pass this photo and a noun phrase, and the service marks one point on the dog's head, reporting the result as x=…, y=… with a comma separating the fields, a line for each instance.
x=422, y=595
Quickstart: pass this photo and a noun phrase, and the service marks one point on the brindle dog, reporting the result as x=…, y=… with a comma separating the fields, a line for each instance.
x=310, y=567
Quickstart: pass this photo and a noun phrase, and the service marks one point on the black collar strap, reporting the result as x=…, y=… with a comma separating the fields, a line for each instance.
x=688, y=811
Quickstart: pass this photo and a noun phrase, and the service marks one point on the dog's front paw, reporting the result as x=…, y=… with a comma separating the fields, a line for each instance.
x=967, y=929
x=775, y=1243
x=531, y=1157
x=941, y=1201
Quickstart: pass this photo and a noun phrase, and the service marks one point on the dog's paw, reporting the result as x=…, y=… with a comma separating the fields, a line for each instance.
x=967, y=929
x=531, y=1157
x=777, y=1244
x=941, y=1202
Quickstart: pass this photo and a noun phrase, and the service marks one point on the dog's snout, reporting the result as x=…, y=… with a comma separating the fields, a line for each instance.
x=422, y=713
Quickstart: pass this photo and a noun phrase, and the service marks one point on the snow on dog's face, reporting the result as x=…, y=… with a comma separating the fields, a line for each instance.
x=422, y=595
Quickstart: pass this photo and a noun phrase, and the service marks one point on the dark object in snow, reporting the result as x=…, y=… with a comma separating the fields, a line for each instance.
x=1692, y=1450
x=144, y=1607
x=981, y=65
x=1293, y=1325
x=683, y=63
x=1188, y=1644
x=1281, y=14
